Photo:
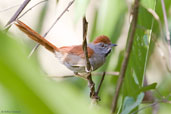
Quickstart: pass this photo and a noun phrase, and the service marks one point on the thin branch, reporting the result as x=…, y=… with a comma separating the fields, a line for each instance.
x=155, y=109
x=8, y=8
x=163, y=100
x=66, y=76
x=88, y=65
x=9, y=25
x=106, y=73
x=100, y=84
x=166, y=22
x=150, y=105
x=127, y=55
x=167, y=33
x=93, y=73
x=84, y=44
x=155, y=104
x=65, y=10
x=156, y=17
x=31, y=8
x=14, y=17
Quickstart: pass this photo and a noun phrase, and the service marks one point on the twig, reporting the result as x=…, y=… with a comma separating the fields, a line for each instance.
x=84, y=44
x=156, y=17
x=127, y=55
x=31, y=8
x=155, y=104
x=106, y=73
x=8, y=26
x=11, y=7
x=98, y=89
x=14, y=17
x=167, y=33
x=166, y=22
x=65, y=10
x=88, y=66
x=67, y=76
x=150, y=105
x=93, y=73
x=162, y=100
x=100, y=84
x=155, y=109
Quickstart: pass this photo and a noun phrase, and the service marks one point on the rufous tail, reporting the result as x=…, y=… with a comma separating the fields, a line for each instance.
x=35, y=36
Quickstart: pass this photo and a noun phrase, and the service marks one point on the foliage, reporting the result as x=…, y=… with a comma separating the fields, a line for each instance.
x=24, y=88
x=28, y=90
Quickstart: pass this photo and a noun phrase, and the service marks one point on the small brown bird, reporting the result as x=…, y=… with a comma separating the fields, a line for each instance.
x=73, y=56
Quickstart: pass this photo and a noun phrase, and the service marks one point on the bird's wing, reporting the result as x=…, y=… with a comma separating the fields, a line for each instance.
x=76, y=50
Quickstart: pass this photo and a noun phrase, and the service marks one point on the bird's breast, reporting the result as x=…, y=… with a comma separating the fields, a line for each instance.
x=97, y=61
x=77, y=63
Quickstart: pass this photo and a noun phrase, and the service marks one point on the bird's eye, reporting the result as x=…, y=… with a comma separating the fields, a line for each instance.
x=102, y=45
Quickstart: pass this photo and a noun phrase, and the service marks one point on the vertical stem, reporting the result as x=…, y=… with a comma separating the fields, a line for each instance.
x=88, y=65
x=91, y=84
x=100, y=84
x=84, y=46
x=165, y=21
x=167, y=32
x=127, y=55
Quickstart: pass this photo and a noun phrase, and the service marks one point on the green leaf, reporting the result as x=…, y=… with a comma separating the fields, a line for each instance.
x=30, y=90
x=149, y=87
x=17, y=76
x=110, y=18
x=136, y=69
x=129, y=103
x=80, y=8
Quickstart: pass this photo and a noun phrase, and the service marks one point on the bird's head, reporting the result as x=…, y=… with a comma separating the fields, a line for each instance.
x=103, y=45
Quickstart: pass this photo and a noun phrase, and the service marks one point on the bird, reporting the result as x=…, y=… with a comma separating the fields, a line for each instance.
x=73, y=56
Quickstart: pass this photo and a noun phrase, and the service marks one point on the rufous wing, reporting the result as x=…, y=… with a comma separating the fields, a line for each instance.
x=74, y=58
x=76, y=50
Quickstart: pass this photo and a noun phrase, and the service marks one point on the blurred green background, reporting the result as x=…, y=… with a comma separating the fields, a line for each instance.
x=25, y=85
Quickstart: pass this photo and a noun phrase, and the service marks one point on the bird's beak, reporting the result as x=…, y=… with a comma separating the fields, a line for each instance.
x=112, y=45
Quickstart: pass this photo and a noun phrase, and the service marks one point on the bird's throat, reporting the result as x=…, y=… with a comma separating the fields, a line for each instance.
x=107, y=53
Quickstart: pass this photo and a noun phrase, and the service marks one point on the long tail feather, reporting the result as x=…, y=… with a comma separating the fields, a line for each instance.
x=35, y=36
